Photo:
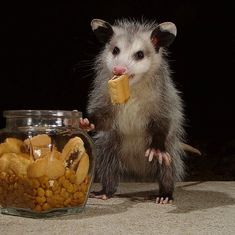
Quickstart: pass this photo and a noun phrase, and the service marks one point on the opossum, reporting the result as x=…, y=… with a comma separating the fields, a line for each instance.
x=143, y=136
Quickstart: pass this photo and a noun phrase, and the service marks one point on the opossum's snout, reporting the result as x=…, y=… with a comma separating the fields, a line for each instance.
x=119, y=70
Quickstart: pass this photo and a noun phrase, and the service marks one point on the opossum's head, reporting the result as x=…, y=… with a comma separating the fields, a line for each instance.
x=133, y=48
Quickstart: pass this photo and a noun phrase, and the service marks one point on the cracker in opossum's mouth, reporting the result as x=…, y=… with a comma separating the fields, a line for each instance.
x=118, y=87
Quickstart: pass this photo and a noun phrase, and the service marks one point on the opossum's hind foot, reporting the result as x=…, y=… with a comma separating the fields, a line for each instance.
x=99, y=195
x=164, y=200
x=162, y=157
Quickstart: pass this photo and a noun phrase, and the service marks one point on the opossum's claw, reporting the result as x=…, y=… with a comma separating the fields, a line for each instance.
x=86, y=125
x=161, y=156
x=167, y=158
x=163, y=200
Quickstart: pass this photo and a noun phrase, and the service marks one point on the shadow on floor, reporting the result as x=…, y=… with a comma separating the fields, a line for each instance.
x=186, y=200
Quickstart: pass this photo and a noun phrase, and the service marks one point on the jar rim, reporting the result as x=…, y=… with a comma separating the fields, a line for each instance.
x=39, y=113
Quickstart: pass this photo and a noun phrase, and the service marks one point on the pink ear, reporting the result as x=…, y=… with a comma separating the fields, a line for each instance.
x=154, y=41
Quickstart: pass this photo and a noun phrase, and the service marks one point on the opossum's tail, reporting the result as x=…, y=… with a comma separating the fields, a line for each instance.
x=189, y=148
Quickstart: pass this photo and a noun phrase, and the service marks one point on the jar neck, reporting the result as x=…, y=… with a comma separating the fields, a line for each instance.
x=29, y=121
x=41, y=118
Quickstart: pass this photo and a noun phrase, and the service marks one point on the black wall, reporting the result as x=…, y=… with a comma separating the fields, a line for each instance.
x=47, y=52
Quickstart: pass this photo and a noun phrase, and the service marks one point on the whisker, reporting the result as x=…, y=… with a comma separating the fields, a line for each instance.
x=84, y=65
x=130, y=63
x=81, y=64
x=87, y=61
x=86, y=76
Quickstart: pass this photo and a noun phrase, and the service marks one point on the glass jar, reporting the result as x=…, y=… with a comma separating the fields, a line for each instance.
x=46, y=163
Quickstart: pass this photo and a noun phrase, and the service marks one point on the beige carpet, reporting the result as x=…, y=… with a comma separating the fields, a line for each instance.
x=199, y=208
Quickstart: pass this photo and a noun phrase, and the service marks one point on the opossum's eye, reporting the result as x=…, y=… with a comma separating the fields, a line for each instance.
x=139, y=55
x=116, y=51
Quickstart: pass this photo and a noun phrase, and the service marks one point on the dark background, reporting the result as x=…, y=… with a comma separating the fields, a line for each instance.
x=47, y=53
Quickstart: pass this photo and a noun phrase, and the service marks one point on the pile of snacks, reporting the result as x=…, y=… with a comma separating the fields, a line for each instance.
x=35, y=175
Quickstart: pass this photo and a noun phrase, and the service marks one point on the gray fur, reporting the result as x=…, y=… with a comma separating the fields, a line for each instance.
x=125, y=132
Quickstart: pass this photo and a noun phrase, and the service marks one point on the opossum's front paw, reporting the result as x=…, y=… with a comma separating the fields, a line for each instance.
x=86, y=125
x=163, y=157
x=99, y=195
x=164, y=200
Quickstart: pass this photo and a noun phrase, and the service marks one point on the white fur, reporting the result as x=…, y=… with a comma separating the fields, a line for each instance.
x=138, y=68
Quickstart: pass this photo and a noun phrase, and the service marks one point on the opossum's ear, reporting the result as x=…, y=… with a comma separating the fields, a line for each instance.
x=102, y=29
x=163, y=35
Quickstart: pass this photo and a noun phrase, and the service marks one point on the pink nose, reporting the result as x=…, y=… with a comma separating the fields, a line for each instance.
x=119, y=70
